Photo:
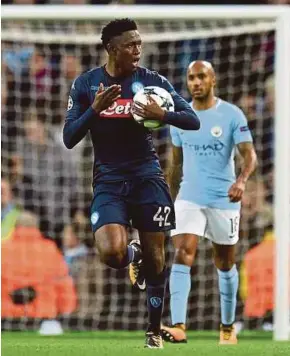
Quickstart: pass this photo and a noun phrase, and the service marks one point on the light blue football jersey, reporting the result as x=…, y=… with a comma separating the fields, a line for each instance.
x=208, y=155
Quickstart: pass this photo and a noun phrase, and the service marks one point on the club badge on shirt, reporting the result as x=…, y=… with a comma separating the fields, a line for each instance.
x=216, y=131
x=136, y=86
x=94, y=218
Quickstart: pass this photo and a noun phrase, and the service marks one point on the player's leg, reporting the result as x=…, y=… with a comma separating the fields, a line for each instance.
x=190, y=222
x=155, y=276
x=109, y=220
x=185, y=246
x=153, y=214
x=136, y=268
x=228, y=280
x=224, y=227
x=112, y=244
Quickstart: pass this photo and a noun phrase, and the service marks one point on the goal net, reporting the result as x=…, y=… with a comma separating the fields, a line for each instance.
x=43, y=50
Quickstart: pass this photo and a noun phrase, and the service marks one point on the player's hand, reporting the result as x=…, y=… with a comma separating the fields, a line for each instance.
x=105, y=98
x=236, y=191
x=151, y=110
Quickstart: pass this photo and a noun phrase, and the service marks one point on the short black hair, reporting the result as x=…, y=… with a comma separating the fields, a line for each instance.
x=116, y=28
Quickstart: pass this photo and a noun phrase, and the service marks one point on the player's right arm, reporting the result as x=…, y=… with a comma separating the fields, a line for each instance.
x=80, y=113
x=174, y=171
x=183, y=117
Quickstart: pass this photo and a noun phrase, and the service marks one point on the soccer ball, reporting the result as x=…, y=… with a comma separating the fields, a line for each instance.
x=162, y=98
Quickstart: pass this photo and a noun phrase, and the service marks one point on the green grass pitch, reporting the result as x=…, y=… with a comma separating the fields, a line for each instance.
x=128, y=343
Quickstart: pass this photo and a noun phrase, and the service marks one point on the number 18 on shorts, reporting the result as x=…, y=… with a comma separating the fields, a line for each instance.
x=218, y=225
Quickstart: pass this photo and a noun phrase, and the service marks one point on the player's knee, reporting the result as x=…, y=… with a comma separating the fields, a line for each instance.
x=113, y=259
x=224, y=264
x=184, y=256
x=112, y=253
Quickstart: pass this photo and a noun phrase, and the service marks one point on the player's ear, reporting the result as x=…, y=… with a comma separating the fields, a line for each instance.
x=111, y=48
x=108, y=47
x=214, y=81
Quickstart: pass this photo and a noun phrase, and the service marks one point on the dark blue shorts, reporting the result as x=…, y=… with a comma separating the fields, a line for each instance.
x=144, y=203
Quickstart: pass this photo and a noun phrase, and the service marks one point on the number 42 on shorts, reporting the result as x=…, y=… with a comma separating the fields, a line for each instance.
x=162, y=215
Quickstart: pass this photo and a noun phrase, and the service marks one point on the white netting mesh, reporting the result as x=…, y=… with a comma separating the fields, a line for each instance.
x=40, y=59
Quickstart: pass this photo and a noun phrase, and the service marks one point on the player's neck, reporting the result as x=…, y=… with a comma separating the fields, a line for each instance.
x=205, y=103
x=114, y=70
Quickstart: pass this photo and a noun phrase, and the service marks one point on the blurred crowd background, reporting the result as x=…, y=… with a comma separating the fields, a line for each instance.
x=50, y=269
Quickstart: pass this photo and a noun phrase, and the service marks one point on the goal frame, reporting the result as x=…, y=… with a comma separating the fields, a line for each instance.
x=281, y=17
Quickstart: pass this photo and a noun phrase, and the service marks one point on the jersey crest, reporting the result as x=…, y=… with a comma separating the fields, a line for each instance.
x=216, y=131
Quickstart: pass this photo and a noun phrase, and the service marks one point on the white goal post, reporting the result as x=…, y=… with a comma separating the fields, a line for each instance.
x=275, y=18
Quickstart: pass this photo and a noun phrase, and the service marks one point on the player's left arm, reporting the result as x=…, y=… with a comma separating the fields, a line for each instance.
x=249, y=156
x=183, y=117
x=243, y=140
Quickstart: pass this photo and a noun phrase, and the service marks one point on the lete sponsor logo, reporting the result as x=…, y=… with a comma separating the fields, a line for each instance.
x=120, y=109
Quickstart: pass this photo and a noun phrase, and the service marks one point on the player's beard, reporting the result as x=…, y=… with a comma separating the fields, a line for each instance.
x=203, y=97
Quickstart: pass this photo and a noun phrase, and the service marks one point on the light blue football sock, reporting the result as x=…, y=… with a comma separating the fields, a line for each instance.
x=228, y=287
x=179, y=284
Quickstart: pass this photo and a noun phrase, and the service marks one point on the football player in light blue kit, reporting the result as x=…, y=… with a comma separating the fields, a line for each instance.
x=208, y=199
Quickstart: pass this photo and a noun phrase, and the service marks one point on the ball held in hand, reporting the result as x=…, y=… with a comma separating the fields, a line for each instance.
x=162, y=98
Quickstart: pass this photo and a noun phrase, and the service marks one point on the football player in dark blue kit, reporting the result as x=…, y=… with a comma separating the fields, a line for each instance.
x=128, y=182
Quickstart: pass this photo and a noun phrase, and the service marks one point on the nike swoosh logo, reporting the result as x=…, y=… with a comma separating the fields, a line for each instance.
x=142, y=285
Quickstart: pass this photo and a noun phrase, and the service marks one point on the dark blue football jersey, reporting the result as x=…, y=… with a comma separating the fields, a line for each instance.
x=123, y=149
